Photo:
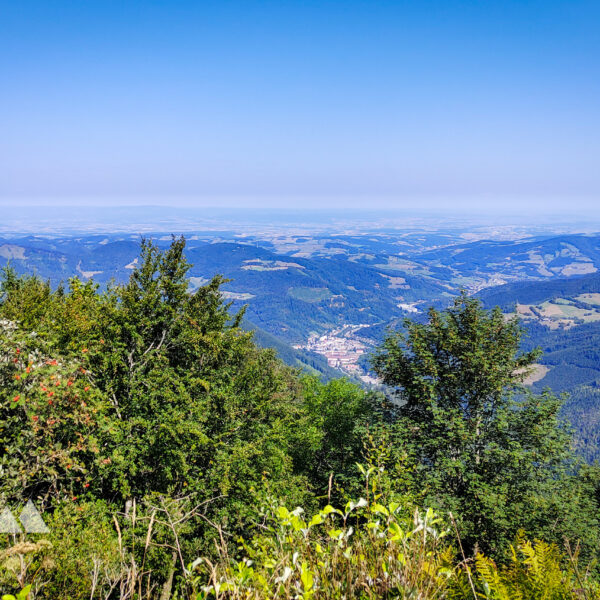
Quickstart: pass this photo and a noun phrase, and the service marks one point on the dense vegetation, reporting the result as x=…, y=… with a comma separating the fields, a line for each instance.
x=572, y=355
x=164, y=446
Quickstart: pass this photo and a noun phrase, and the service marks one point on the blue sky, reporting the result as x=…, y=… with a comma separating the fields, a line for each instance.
x=321, y=104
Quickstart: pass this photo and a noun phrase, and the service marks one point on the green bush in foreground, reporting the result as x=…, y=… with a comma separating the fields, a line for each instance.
x=379, y=549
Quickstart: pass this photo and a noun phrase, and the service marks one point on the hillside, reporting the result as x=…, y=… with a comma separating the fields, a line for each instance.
x=528, y=292
x=302, y=288
x=485, y=263
x=310, y=362
x=562, y=317
x=290, y=297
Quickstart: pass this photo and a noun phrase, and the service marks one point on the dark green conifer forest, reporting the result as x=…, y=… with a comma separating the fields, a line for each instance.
x=172, y=458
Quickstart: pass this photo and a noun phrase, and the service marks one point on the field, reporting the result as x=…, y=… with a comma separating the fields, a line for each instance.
x=589, y=298
x=308, y=294
x=559, y=312
x=538, y=373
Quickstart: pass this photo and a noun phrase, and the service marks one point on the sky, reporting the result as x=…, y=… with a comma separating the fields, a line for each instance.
x=292, y=104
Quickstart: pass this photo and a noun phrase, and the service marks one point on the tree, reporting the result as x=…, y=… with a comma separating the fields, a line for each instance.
x=189, y=405
x=50, y=420
x=339, y=411
x=484, y=446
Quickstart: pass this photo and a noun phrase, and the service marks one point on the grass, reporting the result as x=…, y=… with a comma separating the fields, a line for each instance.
x=560, y=311
x=308, y=294
x=589, y=298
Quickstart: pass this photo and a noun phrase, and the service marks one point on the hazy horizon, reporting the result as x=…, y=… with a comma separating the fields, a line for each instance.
x=76, y=218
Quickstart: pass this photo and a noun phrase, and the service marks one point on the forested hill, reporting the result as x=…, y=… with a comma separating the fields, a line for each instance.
x=562, y=317
x=535, y=292
x=310, y=362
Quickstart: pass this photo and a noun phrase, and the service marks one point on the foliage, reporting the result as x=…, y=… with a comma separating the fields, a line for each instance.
x=339, y=411
x=368, y=549
x=536, y=571
x=50, y=420
x=486, y=449
x=378, y=548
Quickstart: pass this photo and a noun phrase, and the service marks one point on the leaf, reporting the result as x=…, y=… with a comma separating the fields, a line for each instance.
x=306, y=577
x=316, y=520
x=379, y=508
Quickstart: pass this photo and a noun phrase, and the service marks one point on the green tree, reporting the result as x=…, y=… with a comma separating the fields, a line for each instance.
x=484, y=446
x=51, y=418
x=340, y=412
x=189, y=404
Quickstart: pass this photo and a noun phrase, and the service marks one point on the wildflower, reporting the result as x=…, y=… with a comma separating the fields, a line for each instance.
x=50, y=394
x=18, y=351
x=86, y=485
x=84, y=350
x=28, y=370
x=17, y=377
x=16, y=398
x=86, y=388
x=49, y=402
x=69, y=383
x=57, y=383
x=35, y=418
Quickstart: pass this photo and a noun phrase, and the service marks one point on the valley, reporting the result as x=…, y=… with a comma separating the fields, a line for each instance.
x=343, y=348
x=323, y=296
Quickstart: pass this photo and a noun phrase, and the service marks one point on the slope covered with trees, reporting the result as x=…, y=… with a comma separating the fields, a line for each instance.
x=571, y=347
